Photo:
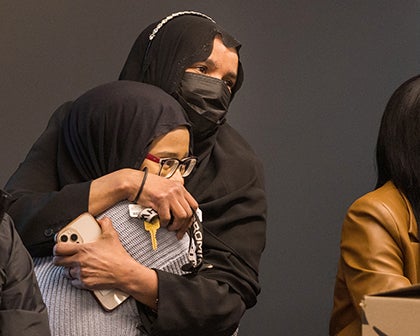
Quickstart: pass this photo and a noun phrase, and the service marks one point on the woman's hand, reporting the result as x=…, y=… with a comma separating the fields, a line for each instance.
x=95, y=265
x=169, y=198
x=105, y=264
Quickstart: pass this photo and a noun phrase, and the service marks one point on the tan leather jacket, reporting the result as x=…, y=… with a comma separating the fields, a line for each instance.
x=379, y=252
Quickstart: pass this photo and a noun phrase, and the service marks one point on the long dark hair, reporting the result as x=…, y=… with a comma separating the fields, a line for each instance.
x=398, y=146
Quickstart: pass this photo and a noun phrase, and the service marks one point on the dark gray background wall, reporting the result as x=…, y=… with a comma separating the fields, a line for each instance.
x=318, y=75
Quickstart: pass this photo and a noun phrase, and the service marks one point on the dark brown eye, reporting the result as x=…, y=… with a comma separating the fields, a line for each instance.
x=202, y=69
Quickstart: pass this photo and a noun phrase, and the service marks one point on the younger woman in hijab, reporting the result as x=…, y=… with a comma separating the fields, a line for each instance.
x=380, y=235
x=196, y=61
x=112, y=127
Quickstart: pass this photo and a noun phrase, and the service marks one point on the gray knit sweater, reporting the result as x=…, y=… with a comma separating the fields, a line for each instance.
x=75, y=312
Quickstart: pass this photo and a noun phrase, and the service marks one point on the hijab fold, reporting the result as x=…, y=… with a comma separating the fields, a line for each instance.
x=111, y=127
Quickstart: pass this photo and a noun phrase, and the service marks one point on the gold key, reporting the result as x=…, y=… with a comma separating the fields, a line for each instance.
x=152, y=227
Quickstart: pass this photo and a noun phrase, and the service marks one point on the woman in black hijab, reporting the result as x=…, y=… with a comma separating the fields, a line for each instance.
x=228, y=182
x=112, y=127
x=116, y=126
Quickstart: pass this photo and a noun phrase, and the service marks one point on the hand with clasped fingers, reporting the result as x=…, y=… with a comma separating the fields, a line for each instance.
x=174, y=204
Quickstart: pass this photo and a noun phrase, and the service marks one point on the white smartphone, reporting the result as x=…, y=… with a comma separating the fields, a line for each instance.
x=85, y=229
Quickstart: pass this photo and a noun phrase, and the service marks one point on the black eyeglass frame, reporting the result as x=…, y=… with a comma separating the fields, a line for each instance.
x=188, y=163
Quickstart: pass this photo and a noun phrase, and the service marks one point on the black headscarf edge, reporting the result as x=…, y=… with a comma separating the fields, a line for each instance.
x=144, y=52
x=109, y=123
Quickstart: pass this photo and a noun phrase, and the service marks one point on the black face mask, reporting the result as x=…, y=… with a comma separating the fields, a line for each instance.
x=206, y=96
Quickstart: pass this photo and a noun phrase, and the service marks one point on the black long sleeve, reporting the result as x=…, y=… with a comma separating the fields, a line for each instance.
x=40, y=208
x=211, y=302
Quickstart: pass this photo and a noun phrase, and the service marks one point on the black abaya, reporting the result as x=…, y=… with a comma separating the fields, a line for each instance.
x=228, y=185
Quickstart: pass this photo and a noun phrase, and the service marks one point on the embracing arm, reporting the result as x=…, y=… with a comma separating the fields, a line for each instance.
x=169, y=198
x=42, y=214
x=40, y=207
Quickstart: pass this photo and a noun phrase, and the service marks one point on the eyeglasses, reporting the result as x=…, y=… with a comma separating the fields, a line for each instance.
x=168, y=166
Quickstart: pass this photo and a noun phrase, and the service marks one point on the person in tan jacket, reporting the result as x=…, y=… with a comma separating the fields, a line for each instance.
x=379, y=240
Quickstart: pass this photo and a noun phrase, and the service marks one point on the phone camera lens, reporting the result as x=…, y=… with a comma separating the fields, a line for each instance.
x=64, y=238
x=73, y=237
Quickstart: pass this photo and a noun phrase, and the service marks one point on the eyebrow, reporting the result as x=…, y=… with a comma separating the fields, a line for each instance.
x=231, y=75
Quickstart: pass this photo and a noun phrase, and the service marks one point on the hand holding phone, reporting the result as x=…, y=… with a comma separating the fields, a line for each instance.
x=85, y=229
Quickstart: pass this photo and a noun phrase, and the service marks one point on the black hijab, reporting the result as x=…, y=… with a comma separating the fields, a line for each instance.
x=180, y=42
x=165, y=49
x=228, y=181
x=111, y=127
